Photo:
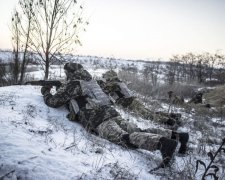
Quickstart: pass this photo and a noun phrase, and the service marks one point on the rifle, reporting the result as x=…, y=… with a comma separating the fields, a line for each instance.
x=55, y=83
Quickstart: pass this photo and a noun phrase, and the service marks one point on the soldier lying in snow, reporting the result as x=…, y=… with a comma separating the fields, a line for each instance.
x=121, y=95
x=197, y=99
x=174, y=99
x=91, y=107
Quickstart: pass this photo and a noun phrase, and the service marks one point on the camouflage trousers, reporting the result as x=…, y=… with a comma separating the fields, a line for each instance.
x=115, y=128
x=108, y=124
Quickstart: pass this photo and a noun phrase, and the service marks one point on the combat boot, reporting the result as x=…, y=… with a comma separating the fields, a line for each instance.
x=167, y=147
x=183, y=138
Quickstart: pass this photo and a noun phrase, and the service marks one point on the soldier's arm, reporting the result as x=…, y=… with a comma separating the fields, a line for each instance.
x=102, y=85
x=62, y=96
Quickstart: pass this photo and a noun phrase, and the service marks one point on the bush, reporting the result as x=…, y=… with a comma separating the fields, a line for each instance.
x=145, y=87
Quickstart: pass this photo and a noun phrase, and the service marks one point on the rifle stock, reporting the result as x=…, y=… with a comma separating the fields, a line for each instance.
x=55, y=83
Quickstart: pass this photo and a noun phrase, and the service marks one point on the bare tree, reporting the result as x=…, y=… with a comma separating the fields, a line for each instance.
x=195, y=67
x=27, y=12
x=55, y=29
x=214, y=61
x=191, y=59
x=220, y=75
x=172, y=69
x=151, y=71
x=16, y=42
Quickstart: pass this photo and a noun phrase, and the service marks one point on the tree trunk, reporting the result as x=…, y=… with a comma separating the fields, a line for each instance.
x=25, y=61
x=23, y=68
x=16, y=67
x=47, y=64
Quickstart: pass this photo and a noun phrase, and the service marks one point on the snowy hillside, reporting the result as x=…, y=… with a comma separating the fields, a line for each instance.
x=92, y=61
x=38, y=142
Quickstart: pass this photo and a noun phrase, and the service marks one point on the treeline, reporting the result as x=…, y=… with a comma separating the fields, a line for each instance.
x=11, y=69
x=200, y=68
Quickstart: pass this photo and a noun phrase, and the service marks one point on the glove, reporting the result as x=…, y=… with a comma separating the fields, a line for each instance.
x=45, y=89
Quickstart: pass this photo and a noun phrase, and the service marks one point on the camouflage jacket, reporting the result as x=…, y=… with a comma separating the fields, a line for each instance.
x=112, y=87
x=90, y=118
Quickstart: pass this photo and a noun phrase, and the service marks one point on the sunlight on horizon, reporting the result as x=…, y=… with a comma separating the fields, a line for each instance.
x=143, y=29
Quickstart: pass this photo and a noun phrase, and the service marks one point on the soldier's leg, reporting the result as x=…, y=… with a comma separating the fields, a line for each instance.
x=153, y=142
x=170, y=118
x=138, y=108
x=160, y=118
x=160, y=131
x=181, y=137
x=127, y=126
x=145, y=140
x=111, y=131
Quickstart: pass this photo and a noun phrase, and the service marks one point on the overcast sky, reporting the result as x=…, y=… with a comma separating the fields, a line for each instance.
x=143, y=29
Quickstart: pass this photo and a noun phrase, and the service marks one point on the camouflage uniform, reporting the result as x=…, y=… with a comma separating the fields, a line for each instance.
x=97, y=115
x=197, y=99
x=122, y=96
x=173, y=99
x=90, y=106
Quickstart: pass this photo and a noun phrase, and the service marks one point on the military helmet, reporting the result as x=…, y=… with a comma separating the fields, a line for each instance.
x=109, y=75
x=75, y=71
x=71, y=67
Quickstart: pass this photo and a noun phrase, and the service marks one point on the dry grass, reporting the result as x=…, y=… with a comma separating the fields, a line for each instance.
x=216, y=97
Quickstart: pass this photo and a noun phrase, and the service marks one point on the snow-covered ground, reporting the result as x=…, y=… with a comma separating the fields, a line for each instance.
x=39, y=142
